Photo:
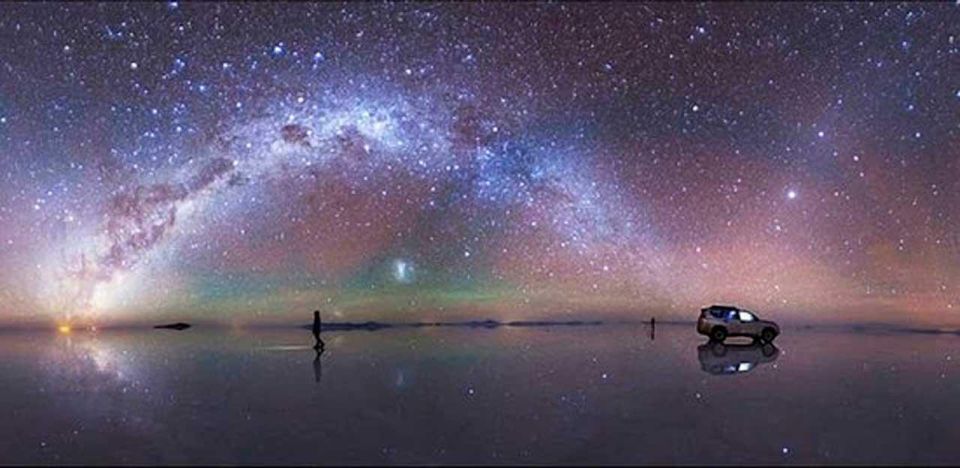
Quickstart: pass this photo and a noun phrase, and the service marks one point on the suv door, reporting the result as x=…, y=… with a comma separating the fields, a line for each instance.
x=748, y=322
x=732, y=322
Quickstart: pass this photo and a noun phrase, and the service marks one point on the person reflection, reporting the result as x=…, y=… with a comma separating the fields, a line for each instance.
x=317, y=365
x=316, y=332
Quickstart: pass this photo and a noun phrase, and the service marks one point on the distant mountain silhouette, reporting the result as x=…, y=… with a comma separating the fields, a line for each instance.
x=173, y=326
x=489, y=323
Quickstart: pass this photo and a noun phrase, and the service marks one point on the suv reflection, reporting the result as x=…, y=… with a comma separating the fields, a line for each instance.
x=722, y=359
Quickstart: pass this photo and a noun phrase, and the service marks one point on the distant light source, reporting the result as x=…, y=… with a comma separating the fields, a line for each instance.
x=403, y=271
x=791, y=194
x=64, y=329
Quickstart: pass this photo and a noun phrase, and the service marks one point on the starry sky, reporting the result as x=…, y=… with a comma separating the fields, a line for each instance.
x=248, y=163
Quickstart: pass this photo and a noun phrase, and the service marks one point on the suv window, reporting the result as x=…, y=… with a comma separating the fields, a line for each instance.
x=747, y=317
x=718, y=313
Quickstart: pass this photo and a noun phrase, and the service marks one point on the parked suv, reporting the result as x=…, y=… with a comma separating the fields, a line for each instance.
x=718, y=322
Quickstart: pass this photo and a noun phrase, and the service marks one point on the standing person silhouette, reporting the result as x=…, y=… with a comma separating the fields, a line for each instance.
x=316, y=330
x=653, y=328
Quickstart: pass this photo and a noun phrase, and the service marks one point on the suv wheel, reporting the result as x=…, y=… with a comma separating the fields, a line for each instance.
x=718, y=333
x=768, y=334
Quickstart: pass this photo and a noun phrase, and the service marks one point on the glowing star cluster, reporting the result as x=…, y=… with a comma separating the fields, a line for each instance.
x=247, y=162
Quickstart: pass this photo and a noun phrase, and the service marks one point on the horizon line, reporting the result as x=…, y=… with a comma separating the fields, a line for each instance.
x=373, y=325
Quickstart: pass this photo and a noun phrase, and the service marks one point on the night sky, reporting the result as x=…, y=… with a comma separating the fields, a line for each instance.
x=248, y=163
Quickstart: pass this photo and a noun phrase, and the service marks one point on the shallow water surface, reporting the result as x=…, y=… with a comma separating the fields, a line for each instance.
x=605, y=394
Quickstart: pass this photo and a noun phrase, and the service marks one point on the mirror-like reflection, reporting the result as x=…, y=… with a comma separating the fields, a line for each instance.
x=317, y=364
x=511, y=395
x=734, y=358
